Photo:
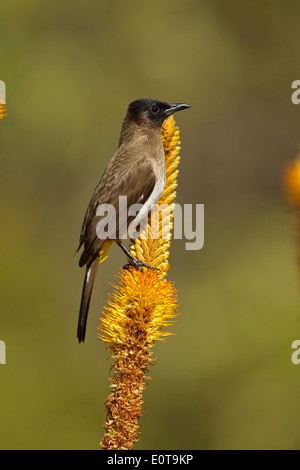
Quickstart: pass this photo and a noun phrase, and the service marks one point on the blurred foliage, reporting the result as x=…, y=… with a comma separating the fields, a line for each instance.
x=71, y=68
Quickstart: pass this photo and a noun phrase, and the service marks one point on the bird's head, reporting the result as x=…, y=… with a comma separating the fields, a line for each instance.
x=153, y=111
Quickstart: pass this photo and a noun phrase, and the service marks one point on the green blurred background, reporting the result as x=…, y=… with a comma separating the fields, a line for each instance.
x=226, y=380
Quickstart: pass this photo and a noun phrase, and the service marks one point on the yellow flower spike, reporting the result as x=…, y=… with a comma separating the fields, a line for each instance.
x=292, y=181
x=142, y=304
x=2, y=110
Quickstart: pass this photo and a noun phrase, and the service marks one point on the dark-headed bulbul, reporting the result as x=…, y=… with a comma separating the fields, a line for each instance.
x=138, y=171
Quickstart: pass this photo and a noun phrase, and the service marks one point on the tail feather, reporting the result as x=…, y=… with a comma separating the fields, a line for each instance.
x=89, y=279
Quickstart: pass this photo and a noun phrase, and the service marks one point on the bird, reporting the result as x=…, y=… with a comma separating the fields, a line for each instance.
x=137, y=170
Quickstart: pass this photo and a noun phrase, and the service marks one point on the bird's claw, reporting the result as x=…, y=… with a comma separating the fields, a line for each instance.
x=139, y=265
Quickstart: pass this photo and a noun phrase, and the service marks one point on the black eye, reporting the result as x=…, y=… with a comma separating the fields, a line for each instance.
x=155, y=109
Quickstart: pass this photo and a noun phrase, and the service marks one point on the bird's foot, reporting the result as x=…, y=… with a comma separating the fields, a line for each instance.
x=139, y=265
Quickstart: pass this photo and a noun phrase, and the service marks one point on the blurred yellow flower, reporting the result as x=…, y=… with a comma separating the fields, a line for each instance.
x=292, y=181
x=2, y=110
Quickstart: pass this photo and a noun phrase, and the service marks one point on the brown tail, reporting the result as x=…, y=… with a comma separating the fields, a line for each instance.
x=89, y=279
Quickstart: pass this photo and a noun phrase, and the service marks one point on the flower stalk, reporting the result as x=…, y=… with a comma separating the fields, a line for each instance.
x=141, y=306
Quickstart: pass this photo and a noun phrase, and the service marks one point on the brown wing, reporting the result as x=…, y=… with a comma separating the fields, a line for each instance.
x=136, y=181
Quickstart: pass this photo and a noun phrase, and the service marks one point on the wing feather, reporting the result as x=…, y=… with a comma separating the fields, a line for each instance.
x=135, y=181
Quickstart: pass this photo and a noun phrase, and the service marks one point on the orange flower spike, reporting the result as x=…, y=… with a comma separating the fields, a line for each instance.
x=142, y=304
x=292, y=181
x=2, y=110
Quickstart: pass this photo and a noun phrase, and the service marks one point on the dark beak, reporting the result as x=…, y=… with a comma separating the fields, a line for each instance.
x=176, y=107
